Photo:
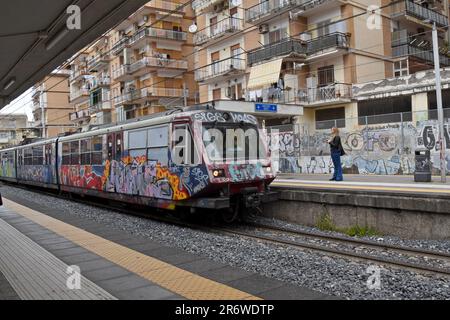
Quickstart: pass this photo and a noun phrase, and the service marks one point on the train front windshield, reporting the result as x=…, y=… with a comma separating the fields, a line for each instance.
x=233, y=142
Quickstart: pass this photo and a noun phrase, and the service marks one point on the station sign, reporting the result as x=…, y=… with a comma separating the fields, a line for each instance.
x=265, y=107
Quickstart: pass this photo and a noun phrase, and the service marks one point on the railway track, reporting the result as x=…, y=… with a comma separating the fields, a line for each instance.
x=276, y=235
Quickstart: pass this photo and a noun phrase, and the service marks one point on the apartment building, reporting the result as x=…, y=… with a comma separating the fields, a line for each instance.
x=309, y=54
x=144, y=65
x=13, y=129
x=51, y=107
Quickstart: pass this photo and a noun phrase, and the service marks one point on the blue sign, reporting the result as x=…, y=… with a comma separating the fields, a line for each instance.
x=263, y=107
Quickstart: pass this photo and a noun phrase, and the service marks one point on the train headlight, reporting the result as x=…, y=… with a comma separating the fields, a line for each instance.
x=268, y=170
x=218, y=173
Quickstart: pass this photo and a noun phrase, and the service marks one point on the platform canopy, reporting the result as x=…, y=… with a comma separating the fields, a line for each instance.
x=35, y=40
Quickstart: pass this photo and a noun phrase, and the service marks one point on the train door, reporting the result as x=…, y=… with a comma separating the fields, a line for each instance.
x=115, y=146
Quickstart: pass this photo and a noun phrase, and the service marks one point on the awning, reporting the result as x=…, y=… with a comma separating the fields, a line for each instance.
x=264, y=74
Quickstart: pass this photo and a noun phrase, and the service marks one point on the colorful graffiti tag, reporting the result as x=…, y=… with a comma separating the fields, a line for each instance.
x=383, y=150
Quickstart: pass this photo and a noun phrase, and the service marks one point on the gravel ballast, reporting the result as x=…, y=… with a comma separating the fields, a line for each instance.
x=331, y=275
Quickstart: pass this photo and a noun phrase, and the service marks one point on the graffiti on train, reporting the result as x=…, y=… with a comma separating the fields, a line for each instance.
x=384, y=150
x=225, y=117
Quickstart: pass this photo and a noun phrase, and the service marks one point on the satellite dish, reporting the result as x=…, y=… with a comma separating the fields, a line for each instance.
x=193, y=28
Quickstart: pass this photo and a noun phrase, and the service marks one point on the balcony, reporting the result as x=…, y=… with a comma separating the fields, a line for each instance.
x=79, y=95
x=98, y=62
x=160, y=92
x=334, y=40
x=223, y=68
x=410, y=9
x=282, y=48
x=266, y=8
x=100, y=107
x=329, y=94
x=203, y=5
x=164, y=5
x=210, y=34
x=118, y=47
x=100, y=83
x=80, y=115
x=162, y=34
x=408, y=50
x=149, y=64
x=127, y=98
x=122, y=74
x=77, y=75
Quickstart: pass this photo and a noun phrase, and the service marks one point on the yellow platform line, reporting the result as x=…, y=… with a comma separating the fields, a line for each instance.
x=184, y=283
x=349, y=187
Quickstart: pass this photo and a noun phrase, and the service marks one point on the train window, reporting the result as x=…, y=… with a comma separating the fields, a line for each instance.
x=158, y=137
x=97, y=150
x=48, y=154
x=137, y=139
x=28, y=157
x=66, y=153
x=38, y=156
x=86, y=148
x=160, y=155
x=75, y=153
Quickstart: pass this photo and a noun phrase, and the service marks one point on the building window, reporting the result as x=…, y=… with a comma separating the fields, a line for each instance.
x=401, y=68
x=217, y=94
x=388, y=110
x=325, y=75
x=329, y=118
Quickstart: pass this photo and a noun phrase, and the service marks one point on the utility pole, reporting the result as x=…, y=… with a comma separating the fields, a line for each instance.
x=437, y=72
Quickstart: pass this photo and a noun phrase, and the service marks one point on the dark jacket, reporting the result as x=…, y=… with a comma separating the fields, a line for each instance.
x=336, y=146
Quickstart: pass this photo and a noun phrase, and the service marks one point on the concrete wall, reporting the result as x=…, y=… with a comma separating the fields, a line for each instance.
x=409, y=217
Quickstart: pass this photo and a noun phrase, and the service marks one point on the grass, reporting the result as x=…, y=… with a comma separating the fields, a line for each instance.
x=325, y=223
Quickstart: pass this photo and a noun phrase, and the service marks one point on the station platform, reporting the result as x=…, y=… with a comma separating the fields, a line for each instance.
x=402, y=185
x=40, y=253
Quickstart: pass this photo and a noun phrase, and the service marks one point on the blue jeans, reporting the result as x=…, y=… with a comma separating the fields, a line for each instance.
x=336, y=157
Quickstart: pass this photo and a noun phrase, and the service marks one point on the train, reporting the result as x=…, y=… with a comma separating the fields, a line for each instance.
x=187, y=159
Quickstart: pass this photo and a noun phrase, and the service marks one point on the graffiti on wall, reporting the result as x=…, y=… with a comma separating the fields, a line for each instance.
x=384, y=150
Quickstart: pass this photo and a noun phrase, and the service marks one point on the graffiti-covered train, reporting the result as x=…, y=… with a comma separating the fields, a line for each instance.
x=198, y=158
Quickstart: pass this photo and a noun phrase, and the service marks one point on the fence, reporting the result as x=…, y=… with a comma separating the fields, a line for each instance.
x=381, y=145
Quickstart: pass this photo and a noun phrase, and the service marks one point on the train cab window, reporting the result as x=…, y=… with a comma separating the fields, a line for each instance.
x=184, y=146
x=48, y=154
x=66, y=153
x=75, y=153
x=86, y=148
x=97, y=150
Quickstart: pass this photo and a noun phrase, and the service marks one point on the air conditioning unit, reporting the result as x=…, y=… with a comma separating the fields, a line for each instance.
x=264, y=28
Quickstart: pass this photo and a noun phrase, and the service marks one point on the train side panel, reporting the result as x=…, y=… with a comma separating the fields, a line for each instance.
x=8, y=165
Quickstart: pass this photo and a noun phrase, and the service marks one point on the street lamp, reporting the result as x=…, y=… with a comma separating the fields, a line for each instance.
x=437, y=72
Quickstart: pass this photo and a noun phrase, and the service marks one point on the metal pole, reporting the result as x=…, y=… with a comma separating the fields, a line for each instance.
x=437, y=71
x=185, y=102
x=403, y=134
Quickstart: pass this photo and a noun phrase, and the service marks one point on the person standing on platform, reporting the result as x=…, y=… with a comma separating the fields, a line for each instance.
x=337, y=151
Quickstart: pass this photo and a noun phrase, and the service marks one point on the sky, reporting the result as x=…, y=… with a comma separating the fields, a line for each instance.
x=23, y=104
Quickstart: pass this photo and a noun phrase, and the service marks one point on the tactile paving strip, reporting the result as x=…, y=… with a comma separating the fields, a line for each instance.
x=179, y=281
x=36, y=274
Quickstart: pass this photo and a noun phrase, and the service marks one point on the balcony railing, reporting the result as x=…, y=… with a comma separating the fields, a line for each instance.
x=79, y=115
x=328, y=93
x=122, y=71
x=98, y=61
x=201, y=4
x=267, y=7
x=100, y=82
x=419, y=53
x=220, y=68
x=78, y=73
x=99, y=107
x=222, y=27
x=158, y=33
x=332, y=40
x=295, y=46
x=165, y=5
x=127, y=98
x=119, y=46
x=281, y=48
x=162, y=92
x=79, y=93
x=157, y=63
x=415, y=10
